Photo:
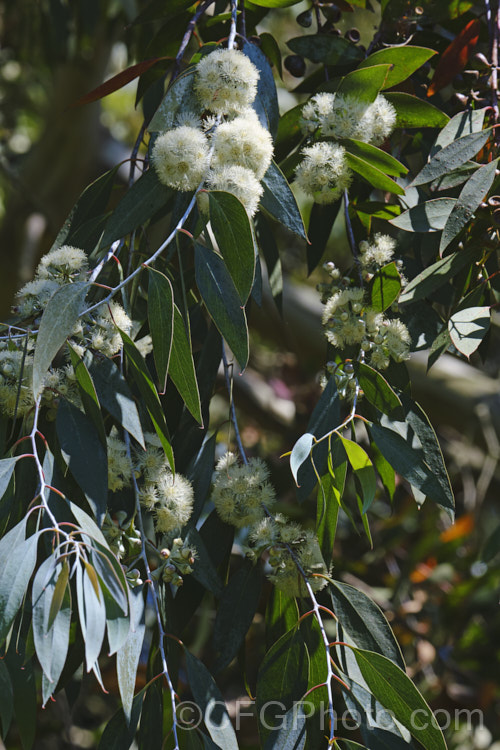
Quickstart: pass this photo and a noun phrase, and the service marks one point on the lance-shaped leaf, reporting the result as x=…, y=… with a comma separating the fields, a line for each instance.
x=208, y=697
x=323, y=48
x=364, y=83
x=91, y=612
x=179, y=96
x=321, y=222
x=403, y=60
x=452, y=156
x=6, y=699
x=433, y=277
x=87, y=393
x=372, y=174
x=233, y=233
x=378, y=391
x=7, y=466
x=17, y=561
x=144, y=382
x=85, y=455
x=363, y=470
x=430, y=216
x=327, y=512
x=266, y=101
x=463, y=123
x=127, y=658
x=468, y=327
x=182, y=370
x=473, y=193
x=396, y=692
x=374, y=156
x=58, y=320
x=291, y=732
x=222, y=301
x=412, y=112
x=161, y=321
x=455, y=56
x=279, y=201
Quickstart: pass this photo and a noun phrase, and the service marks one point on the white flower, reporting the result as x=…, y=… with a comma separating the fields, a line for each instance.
x=226, y=80
x=379, y=252
x=63, y=263
x=382, y=120
x=33, y=296
x=344, y=116
x=175, y=502
x=240, y=491
x=243, y=141
x=119, y=469
x=104, y=334
x=180, y=157
x=239, y=181
x=323, y=173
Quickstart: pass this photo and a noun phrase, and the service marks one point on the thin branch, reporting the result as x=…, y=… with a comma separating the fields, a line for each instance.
x=232, y=31
x=187, y=37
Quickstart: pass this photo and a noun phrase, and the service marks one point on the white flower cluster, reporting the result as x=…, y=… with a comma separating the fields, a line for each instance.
x=230, y=150
x=323, y=172
x=169, y=498
x=349, y=319
x=338, y=116
x=16, y=396
x=279, y=536
x=240, y=491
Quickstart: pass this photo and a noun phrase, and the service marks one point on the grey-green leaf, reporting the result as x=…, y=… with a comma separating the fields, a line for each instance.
x=472, y=194
x=468, y=328
x=58, y=321
x=433, y=277
x=430, y=216
x=279, y=201
x=161, y=321
x=17, y=562
x=182, y=370
x=127, y=658
x=452, y=156
x=7, y=466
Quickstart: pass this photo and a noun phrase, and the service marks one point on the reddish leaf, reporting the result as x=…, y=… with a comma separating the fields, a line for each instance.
x=118, y=81
x=455, y=56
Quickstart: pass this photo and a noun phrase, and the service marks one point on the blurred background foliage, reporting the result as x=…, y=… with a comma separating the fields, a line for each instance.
x=437, y=585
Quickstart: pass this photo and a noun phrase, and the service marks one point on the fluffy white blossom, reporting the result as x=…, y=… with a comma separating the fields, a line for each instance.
x=16, y=397
x=175, y=502
x=181, y=157
x=285, y=574
x=323, y=172
x=345, y=116
x=63, y=264
x=119, y=469
x=239, y=181
x=104, y=334
x=32, y=298
x=382, y=120
x=240, y=491
x=244, y=142
x=226, y=81
x=378, y=252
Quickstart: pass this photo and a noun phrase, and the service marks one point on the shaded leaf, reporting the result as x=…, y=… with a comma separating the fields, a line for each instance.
x=433, y=277
x=322, y=48
x=85, y=455
x=222, y=301
x=468, y=328
x=6, y=699
x=266, y=101
x=378, y=391
x=371, y=174
x=7, y=466
x=181, y=368
x=463, y=123
x=279, y=201
x=282, y=615
x=452, y=156
x=17, y=562
x=384, y=287
x=321, y=222
x=58, y=320
x=161, y=321
x=291, y=733
x=87, y=393
x=179, y=97
x=327, y=511
x=204, y=569
x=118, y=733
x=363, y=470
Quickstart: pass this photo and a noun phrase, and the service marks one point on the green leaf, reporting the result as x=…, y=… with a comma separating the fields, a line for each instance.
x=364, y=83
x=51, y=639
x=208, y=697
x=161, y=321
x=385, y=471
x=118, y=733
x=282, y=679
x=111, y=575
x=142, y=377
x=384, y=287
x=6, y=699
x=92, y=615
x=437, y=274
x=87, y=393
x=378, y=391
x=377, y=158
x=127, y=658
x=141, y=201
x=410, y=463
x=232, y=231
x=404, y=61
x=275, y=3
x=85, y=455
x=371, y=174
x=204, y=569
x=463, y=123
x=182, y=370
x=471, y=196
x=321, y=222
x=279, y=201
x=289, y=132
x=455, y=178
x=363, y=471
x=270, y=48
x=222, y=301
x=237, y=607
x=7, y=466
x=58, y=321
x=364, y=622
x=291, y=732
x=452, y=156
x=115, y=395
x=327, y=512
x=412, y=112
x=468, y=328
x=430, y=216
x=25, y=694
x=179, y=97
x=322, y=48
x=17, y=562
x=396, y=692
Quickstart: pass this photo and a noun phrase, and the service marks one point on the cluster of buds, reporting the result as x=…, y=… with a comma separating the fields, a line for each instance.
x=120, y=533
x=177, y=561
